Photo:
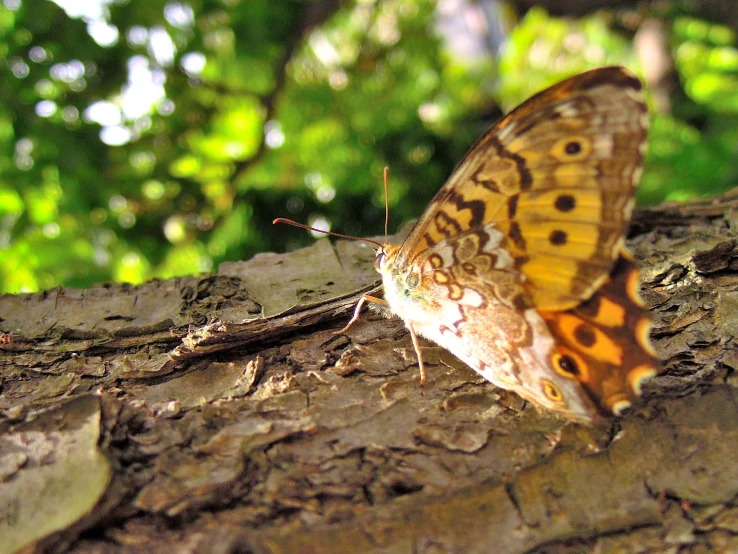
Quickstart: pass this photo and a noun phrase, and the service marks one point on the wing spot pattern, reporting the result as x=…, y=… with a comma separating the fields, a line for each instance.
x=573, y=148
x=567, y=364
x=585, y=336
x=551, y=391
x=565, y=203
x=516, y=236
x=558, y=237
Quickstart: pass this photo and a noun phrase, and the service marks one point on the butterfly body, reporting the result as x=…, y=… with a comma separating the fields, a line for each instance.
x=518, y=267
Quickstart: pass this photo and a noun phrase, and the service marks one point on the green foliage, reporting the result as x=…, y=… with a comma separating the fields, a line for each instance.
x=546, y=50
x=170, y=147
x=693, y=149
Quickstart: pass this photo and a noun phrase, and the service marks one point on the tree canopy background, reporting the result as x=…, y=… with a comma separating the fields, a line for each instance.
x=160, y=138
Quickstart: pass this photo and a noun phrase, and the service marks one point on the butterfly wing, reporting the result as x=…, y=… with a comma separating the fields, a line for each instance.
x=557, y=177
x=604, y=342
x=584, y=363
x=518, y=266
x=464, y=294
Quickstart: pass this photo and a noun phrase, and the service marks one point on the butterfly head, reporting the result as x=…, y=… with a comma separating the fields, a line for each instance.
x=384, y=256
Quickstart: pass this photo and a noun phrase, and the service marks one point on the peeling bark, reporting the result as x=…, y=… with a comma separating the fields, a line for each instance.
x=223, y=413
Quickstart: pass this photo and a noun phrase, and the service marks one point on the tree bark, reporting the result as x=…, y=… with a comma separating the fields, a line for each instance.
x=223, y=414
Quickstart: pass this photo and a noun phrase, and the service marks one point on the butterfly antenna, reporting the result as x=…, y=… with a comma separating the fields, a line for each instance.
x=315, y=229
x=386, y=204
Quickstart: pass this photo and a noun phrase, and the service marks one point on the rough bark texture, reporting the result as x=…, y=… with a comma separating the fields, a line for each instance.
x=222, y=414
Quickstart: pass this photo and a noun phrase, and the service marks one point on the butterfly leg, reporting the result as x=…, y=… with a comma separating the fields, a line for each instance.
x=357, y=311
x=419, y=353
x=374, y=300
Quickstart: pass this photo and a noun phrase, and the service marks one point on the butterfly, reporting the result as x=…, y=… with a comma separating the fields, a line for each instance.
x=518, y=265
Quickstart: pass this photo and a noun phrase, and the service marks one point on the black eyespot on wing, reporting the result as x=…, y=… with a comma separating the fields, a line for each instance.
x=568, y=365
x=573, y=148
x=558, y=238
x=565, y=203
